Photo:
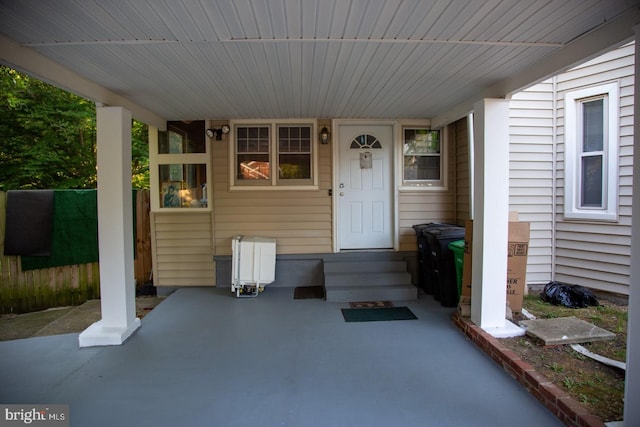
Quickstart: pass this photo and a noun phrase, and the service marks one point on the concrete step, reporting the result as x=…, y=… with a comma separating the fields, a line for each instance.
x=372, y=293
x=367, y=279
x=365, y=267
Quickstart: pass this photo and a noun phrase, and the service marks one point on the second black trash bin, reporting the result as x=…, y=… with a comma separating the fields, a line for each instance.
x=425, y=270
x=441, y=263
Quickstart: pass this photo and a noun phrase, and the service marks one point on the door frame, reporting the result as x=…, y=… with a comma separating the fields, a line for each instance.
x=393, y=176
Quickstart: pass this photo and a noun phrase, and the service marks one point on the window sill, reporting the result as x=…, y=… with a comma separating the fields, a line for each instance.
x=274, y=188
x=190, y=210
x=590, y=216
x=418, y=187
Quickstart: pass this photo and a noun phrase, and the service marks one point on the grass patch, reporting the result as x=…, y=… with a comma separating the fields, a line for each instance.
x=599, y=387
x=555, y=367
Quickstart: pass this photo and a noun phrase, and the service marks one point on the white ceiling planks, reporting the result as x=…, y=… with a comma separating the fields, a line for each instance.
x=195, y=59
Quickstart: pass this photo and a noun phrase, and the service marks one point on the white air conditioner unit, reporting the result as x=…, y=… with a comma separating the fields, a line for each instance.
x=253, y=264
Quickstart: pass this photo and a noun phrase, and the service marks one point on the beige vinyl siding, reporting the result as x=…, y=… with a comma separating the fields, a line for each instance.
x=299, y=220
x=182, y=246
x=531, y=178
x=419, y=207
x=460, y=131
x=597, y=254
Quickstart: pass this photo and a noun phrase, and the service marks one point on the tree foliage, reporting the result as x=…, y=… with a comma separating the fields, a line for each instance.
x=48, y=137
x=139, y=155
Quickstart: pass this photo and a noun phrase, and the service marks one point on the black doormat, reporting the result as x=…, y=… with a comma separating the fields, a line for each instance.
x=308, y=292
x=377, y=314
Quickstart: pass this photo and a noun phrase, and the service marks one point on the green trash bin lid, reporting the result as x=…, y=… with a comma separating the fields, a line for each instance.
x=457, y=247
x=457, y=244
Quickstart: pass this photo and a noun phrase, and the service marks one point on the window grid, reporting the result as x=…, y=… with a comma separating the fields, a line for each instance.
x=253, y=139
x=422, y=156
x=294, y=139
x=274, y=155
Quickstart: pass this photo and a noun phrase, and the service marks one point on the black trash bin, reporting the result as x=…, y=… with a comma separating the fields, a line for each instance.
x=425, y=269
x=442, y=263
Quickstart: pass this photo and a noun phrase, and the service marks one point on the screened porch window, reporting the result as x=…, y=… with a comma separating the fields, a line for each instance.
x=182, y=185
x=181, y=166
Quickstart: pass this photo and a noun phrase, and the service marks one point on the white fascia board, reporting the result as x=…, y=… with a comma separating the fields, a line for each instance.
x=37, y=65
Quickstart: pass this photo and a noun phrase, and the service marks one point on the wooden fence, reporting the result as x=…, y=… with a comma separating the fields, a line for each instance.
x=142, y=262
x=32, y=290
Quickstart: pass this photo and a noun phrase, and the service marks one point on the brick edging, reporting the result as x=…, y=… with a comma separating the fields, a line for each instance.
x=567, y=409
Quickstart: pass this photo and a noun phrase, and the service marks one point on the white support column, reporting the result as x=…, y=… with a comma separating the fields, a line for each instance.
x=115, y=231
x=491, y=218
x=632, y=378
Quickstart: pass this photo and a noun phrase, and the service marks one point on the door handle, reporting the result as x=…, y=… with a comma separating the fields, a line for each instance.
x=342, y=193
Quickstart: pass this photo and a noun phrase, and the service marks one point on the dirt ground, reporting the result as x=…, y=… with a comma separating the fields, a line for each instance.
x=597, y=386
x=62, y=320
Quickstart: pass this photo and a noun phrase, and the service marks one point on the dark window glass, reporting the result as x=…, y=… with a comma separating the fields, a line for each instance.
x=181, y=137
x=592, y=176
x=593, y=125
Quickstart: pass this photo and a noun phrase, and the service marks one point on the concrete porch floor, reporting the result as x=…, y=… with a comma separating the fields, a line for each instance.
x=205, y=358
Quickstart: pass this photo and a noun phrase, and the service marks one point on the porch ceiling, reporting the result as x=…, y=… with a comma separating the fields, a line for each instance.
x=197, y=59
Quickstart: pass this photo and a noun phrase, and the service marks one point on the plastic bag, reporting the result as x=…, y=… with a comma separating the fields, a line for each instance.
x=572, y=296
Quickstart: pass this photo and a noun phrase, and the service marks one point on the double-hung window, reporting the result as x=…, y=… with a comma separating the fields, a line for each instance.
x=274, y=155
x=423, y=161
x=591, y=153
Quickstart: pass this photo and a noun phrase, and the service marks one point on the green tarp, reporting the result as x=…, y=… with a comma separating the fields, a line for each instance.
x=75, y=231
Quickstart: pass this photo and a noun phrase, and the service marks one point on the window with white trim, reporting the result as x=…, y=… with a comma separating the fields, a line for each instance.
x=423, y=160
x=591, y=153
x=274, y=155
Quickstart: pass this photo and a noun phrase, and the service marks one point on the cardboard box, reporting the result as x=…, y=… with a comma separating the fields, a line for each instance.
x=518, y=250
x=517, y=263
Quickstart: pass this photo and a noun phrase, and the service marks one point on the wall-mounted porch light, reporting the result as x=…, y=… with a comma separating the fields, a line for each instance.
x=218, y=132
x=324, y=135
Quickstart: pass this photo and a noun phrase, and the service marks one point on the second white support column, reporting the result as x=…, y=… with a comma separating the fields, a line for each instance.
x=491, y=217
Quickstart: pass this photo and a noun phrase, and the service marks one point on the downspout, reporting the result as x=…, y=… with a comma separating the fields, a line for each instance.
x=554, y=167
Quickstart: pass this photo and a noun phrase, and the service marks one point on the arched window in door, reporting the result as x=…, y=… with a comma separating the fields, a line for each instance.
x=365, y=141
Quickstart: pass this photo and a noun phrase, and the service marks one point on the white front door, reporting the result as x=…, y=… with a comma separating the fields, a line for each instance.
x=365, y=187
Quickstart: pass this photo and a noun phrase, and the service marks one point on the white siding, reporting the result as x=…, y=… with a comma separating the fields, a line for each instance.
x=531, y=179
x=590, y=253
x=593, y=254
